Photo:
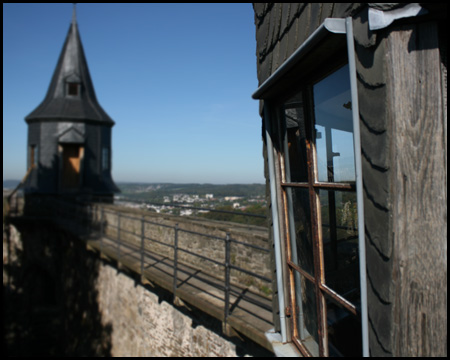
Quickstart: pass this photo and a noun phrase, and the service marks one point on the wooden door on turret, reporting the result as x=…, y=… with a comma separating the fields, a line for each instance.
x=72, y=156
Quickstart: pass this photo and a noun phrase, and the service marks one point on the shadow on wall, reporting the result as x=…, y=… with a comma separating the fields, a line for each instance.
x=49, y=294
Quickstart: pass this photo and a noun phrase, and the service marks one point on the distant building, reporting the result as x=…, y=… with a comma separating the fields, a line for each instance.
x=232, y=198
x=186, y=212
x=69, y=133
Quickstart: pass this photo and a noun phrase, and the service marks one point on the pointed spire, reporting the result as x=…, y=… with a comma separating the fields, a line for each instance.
x=71, y=93
x=74, y=14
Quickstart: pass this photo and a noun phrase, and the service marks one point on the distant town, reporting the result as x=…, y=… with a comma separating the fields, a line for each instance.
x=219, y=202
x=216, y=202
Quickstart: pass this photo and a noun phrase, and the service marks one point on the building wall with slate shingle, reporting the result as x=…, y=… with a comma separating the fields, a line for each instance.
x=391, y=102
x=64, y=118
x=49, y=135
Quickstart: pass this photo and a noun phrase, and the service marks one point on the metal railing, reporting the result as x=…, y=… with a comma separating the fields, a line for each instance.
x=113, y=224
x=14, y=194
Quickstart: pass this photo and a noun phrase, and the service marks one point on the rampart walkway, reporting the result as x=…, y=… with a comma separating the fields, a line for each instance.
x=205, y=264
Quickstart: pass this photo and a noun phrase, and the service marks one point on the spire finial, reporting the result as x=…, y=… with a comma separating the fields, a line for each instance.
x=74, y=13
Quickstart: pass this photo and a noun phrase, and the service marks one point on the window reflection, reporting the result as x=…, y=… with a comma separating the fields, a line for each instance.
x=344, y=331
x=307, y=320
x=105, y=158
x=300, y=228
x=334, y=128
x=295, y=140
x=340, y=242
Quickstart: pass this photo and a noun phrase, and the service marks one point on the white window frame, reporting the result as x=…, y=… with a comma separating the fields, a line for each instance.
x=329, y=28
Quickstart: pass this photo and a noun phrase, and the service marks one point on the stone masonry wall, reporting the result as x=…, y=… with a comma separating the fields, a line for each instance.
x=145, y=325
x=62, y=300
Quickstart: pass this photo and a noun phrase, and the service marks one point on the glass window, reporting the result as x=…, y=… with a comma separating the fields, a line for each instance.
x=295, y=140
x=105, y=158
x=33, y=156
x=308, y=330
x=73, y=89
x=300, y=228
x=340, y=242
x=334, y=128
x=343, y=329
x=318, y=183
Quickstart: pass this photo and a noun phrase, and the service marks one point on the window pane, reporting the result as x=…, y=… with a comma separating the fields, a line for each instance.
x=340, y=242
x=334, y=128
x=73, y=89
x=36, y=155
x=344, y=331
x=299, y=213
x=33, y=156
x=307, y=314
x=105, y=158
x=295, y=140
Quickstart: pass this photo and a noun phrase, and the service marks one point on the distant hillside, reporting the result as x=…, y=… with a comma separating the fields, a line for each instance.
x=156, y=191
x=10, y=184
x=246, y=190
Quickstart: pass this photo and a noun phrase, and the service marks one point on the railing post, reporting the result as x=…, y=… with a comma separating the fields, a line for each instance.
x=175, y=261
x=83, y=220
x=102, y=230
x=87, y=213
x=142, y=244
x=227, y=278
x=89, y=220
x=118, y=236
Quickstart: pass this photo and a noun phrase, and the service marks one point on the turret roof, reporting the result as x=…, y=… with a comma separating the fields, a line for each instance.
x=62, y=102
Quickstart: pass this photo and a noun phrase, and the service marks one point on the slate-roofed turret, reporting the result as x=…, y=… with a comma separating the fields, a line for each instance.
x=71, y=94
x=69, y=133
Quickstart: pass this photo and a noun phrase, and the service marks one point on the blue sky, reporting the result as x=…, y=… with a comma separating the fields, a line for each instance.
x=176, y=78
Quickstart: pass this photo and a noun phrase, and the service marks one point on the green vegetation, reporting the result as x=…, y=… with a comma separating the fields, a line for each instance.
x=157, y=191
x=249, y=220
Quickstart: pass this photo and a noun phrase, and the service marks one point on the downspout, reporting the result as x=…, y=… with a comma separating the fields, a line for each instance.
x=359, y=186
x=276, y=228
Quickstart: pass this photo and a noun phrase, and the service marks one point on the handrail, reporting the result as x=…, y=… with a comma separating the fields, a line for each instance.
x=83, y=214
x=9, y=198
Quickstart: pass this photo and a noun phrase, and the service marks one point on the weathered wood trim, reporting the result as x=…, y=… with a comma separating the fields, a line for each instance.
x=418, y=192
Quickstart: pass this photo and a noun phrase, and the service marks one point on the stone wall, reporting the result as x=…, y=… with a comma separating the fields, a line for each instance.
x=146, y=324
x=49, y=294
x=63, y=300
